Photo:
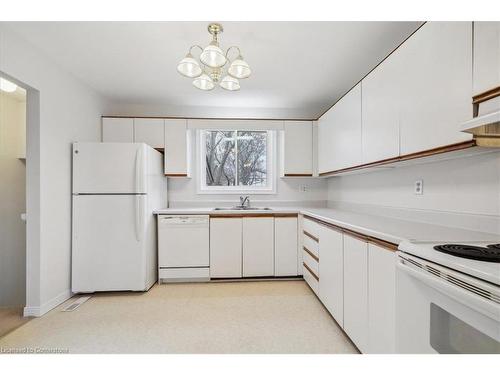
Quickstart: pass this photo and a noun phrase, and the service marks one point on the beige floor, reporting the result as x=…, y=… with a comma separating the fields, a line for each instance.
x=237, y=317
x=10, y=319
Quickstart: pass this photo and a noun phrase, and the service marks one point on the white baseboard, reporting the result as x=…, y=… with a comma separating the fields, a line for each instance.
x=47, y=306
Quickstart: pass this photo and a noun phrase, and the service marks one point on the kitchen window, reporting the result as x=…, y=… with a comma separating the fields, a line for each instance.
x=236, y=161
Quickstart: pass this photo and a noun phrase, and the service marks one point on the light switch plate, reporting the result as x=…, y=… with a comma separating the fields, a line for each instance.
x=419, y=187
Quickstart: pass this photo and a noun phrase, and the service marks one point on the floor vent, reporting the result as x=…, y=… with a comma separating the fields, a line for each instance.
x=80, y=301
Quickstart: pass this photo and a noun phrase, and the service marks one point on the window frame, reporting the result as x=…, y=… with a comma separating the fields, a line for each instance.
x=271, y=167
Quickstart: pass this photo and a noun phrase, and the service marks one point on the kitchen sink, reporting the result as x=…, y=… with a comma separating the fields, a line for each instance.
x=240, y=208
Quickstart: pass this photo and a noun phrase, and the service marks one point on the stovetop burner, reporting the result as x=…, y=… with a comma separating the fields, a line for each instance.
x=491, y=253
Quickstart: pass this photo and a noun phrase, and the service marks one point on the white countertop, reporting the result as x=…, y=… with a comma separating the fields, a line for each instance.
x=385, y=228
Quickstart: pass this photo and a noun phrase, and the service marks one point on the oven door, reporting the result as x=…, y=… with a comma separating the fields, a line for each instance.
x=439, y=310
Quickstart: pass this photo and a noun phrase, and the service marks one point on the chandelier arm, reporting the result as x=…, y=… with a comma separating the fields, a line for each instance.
x=227, y=51
x=195, y=46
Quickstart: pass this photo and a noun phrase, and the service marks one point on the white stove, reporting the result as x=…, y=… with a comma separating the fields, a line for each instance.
x=448, y=303
x=488, y=271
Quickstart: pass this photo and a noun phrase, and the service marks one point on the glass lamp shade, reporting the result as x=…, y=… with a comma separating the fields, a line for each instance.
x=189, y=67
x=230, y=83
x=204, y=82
x=7, y=86
x=239, y=68
x=213, y=56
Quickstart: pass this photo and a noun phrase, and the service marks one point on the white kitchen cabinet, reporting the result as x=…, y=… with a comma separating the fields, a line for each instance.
x=381, y=110
x=381, y=300
x=435, y=86
x=116, y=129
x=339, y=134
x=177, y=148
x=225, y=247
x=331, y=269
x=297, y=149
x=150, y=131
x=300, y=243
x=486, y=56
x=285, y=246
x=258, y=246
x=356, y=291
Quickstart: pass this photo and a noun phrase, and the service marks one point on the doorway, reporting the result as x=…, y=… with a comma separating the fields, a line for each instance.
x=12, y=205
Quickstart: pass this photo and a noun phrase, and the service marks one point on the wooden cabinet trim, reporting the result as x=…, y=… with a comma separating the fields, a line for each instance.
x=243, y=214
x=286, y=215
x=316, y=239
x=310, y=253
x=415, y=155
x=298, y=175
x=176, y=174
x=310, y=271
x=376, y=241
x=210, y=118
x=483, y=97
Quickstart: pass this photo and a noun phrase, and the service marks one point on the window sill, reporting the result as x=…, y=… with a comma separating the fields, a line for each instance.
x=236, y=192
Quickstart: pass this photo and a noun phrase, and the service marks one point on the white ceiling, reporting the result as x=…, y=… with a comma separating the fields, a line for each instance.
x=300, y=68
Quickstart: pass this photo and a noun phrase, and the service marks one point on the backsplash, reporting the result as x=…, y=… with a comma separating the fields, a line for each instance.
x=462, y=192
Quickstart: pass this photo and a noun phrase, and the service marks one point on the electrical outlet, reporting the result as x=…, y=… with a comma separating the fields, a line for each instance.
x=419, y=187
x=303, y=188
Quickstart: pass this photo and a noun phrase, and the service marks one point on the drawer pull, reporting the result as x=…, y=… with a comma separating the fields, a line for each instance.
x=311, y=254
x=311, y=236
x=310, y=271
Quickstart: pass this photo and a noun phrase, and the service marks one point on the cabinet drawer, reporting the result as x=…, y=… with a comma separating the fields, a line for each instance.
x=311, y=245
x=310, y=261
x=311, y=279
x=310, y=227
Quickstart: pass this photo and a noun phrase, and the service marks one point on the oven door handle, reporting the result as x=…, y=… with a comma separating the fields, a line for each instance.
x=480, y=304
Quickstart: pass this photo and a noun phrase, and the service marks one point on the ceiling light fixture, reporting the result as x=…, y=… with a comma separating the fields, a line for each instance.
x=7, y=86
x=212, y=67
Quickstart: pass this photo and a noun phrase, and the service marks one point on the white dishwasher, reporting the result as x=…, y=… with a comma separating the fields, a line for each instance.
x=183, y=248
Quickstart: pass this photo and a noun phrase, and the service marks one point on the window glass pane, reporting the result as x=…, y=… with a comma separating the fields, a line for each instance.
x=252, y=158
x=220, y=158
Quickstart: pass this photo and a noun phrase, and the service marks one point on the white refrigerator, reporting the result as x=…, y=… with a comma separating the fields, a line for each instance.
x=116, y=187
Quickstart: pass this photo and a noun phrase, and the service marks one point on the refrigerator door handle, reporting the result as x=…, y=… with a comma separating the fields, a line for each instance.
x=139, y=171
x=139, y=217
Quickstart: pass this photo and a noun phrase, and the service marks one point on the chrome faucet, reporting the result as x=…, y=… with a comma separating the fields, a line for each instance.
x=245, y=201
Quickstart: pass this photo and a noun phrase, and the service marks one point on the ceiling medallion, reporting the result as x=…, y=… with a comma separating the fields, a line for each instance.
x=213, y=66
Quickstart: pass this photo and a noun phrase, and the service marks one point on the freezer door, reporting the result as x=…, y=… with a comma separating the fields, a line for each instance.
x=108, y=251
x=109, y=168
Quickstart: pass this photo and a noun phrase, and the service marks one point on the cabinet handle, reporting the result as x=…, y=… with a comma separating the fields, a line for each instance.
x=310, y=253
x=310, y=271
x=311, y=236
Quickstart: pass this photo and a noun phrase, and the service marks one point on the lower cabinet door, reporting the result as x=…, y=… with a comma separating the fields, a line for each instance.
x=225, y=247
x=331, y=270
x=285, y=246
x=356, y=291
x=258, y=246
x=381, y=300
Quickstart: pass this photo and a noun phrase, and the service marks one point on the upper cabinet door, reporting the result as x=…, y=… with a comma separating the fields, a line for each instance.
x=339, y=133
x=176, y=148
x=436, y=86
x=150, y=131
x=380, y=110
x=117, y=129
x=486, y=56
x=297, y=152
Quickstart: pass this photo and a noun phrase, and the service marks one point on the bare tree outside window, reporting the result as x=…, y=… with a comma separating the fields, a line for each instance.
x=236, y=158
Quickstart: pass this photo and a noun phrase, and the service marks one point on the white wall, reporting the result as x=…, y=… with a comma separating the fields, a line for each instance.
x=12, y=201
x=183, y=191
x=68, y=111
x=469, y=185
